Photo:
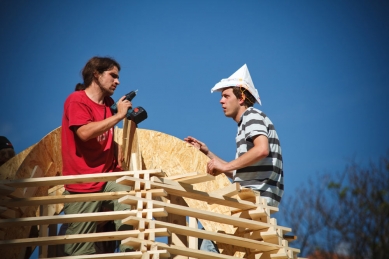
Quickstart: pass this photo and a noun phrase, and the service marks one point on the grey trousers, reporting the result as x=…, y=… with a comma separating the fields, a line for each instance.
x=90, y=227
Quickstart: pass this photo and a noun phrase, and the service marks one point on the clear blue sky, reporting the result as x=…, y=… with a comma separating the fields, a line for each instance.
x=321, y=69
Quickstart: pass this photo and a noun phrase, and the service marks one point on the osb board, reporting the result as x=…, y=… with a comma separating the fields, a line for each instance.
x=46, y=154
x=9, y=168
x=174, y=157
x=159, y=151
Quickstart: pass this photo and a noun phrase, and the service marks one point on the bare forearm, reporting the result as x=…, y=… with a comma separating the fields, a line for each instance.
x=249, y=158
x=255, y=154
x=212, y=155
x=95, y=129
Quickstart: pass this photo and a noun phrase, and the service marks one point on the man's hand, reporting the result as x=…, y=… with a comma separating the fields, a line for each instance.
x=197, y=144
x=123, y=106
x=216, y=167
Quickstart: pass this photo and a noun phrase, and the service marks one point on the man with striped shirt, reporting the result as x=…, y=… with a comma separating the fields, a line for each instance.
x=258, y=161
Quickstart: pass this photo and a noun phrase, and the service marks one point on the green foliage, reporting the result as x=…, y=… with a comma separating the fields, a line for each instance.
x=351, y=208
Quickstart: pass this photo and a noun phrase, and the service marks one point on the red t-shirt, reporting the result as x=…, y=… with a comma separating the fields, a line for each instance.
x=92, y=156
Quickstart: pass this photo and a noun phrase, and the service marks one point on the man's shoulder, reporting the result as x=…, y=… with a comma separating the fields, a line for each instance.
x=76, y=96
x=253, y=112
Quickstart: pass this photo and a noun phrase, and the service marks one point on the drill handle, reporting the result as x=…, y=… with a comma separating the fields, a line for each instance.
x=129, y=97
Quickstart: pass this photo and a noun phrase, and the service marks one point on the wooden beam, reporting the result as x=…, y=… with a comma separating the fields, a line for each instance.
x=94, y=237
x=177, y=219
x=130, y=255
x=178, y=250
x=201, y=214
x=193, y=179
x=204, y=234
x=58, y=180
x=96, y=216
x=228, y=191
x=34, y=201
x=187, y=191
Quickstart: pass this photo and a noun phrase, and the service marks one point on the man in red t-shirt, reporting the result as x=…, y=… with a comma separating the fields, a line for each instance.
x=88, y=145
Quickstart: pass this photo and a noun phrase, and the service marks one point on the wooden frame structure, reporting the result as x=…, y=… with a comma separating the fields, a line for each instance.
x=170, y=193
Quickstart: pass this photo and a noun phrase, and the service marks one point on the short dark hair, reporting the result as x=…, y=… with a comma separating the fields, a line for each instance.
x=239, y=91
x=95, y=64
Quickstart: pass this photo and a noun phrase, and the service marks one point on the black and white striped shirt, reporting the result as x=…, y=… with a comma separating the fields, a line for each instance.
x=266, y=175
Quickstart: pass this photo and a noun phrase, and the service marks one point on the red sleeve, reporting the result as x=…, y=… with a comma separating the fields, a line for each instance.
x=79, y=114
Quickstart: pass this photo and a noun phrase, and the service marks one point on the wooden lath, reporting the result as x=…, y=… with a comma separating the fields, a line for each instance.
x=170, y=185
x=145, y=208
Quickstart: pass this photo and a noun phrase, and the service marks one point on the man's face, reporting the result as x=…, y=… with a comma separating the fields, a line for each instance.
x=109, y=80
x=230, y=103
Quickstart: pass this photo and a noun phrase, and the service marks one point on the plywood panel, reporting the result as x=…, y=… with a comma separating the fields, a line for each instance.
x=158, y=151
x=46, y=154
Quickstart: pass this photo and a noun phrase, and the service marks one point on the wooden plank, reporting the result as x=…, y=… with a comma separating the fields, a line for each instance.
x=94, y=237
x=187, y=191
x=227, y=191
x=126, y=145
x=34, y=201
x=180, y=240
x=207, y=215
x=156, y=254
x=96, y=216
x=193, y=242
x=204, y=234
x=182, y=176
x=199, y=178
x=43, y=231
x=125, y=255
x=58, y=180
x=290, y=238
x=178, y=250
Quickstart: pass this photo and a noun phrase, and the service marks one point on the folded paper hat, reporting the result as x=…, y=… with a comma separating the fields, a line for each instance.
x=240, y=78
x=5, y=143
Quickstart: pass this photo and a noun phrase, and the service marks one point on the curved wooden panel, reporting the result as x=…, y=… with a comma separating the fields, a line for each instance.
x=158, y=150
x=42, y=159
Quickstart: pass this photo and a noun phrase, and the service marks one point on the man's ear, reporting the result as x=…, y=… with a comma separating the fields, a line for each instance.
x=96, y=75
x=242, y=98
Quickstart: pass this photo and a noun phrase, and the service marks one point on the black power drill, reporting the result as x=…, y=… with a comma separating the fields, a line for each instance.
x=137, y=114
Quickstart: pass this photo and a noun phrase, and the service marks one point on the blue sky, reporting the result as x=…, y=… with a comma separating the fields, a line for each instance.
x=321, y=69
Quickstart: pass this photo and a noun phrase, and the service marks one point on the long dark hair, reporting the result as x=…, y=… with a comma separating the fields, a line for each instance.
x=95, y=64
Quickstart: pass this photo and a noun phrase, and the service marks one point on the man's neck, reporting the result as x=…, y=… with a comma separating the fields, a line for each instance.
x=242, y=109
x=95, y=93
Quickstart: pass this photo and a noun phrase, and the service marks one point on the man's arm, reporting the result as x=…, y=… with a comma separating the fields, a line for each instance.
x=259, y=151
x=203, y=148
x=96, y=128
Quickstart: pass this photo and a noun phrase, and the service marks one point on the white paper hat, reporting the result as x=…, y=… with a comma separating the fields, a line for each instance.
x=240, y=78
